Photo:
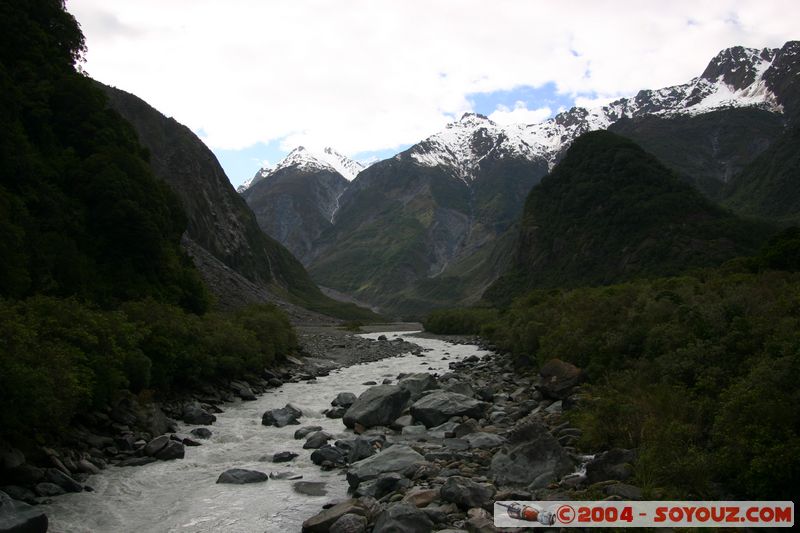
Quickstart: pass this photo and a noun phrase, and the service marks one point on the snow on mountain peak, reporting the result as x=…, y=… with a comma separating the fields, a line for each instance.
x=328, y=159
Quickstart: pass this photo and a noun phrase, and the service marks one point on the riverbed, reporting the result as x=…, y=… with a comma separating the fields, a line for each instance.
x=182, y=496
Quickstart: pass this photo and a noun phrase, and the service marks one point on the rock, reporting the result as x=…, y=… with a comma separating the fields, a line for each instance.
x=19, y=517
x=24, y=474
x=274, y=382
x=173, y=450
x=383, y=485
x=382, y=338
x=482, y=440
x=193, y=413
x=291, y=476
x=558, y=378
x=305, y=431
x=414, y=430
x=398, y=458
x=317, y=440
x=335, y=412
x=86, y=467
x=53, y=475
x=283, y=457
x=456, y=444
x=401, y=422
x=310, y=488
x=201, y=433
x=466, y=493
x=624, y=491
x=460, y=387
x=20, y=493
x=328, y=454
x=349, y=523
x=47, y=489
x=534, y=458
x=403, y=517
x=470, y=426
x=377, y=406
x=420, y=497
x=156, y=445
x=243, y=391
x=282, y=417
x=360, y=448
x=137, y=461
x=322, y=522
x=10, y=458
x=439, y=406
x=416, y=384
x=241, y=476
x=613, y=464
x=344, y=399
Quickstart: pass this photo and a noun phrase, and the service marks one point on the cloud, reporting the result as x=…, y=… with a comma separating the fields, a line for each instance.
x=520, y=114
x=367, y=75
x=590, y=102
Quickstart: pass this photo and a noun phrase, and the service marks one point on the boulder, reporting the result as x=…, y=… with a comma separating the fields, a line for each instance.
x=466, y=493
x=173, y=450
x=613, y=464
x=533, y=459
x=19, y=517
x=10, y=458
x=377, y=406
x=305, y=431
x=460, y=387
x=349, y=523
x=558, y=378
x=283, y=457
x=243, y=391
x=398, y=458
x=56, y=476
x=416, y=384
x=24, y=474
x=241, y=476
x=403, y=517
x=360, y=448
x=329, y=454
x=47, y=489
x=439, y=406
x=344, y=399
x=193, y=413
x=483, y=440
x=317, y=440
x=201, y=433
x=322, y=522
x=420, y=497
x=282, y=417
x=156, y=445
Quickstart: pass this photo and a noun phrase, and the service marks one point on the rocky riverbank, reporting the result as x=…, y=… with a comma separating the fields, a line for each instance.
x=433, y=453
x=137, y=430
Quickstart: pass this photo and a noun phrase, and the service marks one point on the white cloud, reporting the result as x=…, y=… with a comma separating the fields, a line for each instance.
x=366, y=75
x=520, y=114
x=590, y=102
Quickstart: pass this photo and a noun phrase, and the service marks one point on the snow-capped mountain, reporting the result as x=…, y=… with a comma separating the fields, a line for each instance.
x=304, y=159
x=736, y=77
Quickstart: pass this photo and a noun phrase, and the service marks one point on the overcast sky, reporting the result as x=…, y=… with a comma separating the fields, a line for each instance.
x=256, y=78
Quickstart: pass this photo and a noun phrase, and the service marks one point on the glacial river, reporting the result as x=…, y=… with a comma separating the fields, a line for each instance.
x=182, y=496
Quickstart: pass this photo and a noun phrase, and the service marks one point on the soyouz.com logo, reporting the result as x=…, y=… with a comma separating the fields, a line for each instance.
x=644, y=514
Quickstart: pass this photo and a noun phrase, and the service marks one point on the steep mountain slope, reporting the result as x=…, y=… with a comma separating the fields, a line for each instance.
x=610, y=212
x=296, y=201
x=408, y=219
x=220, y=222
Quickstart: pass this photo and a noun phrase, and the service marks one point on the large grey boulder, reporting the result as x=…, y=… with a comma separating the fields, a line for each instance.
x=344, y=399
x=377, y=406
x=398, y=458
x=349, y=523
x=439, y=406
x=193, y=413
x=282, y=417
x=466, y=493
x=416, y=384
x=19, y=517
x=533, y=459
x=403, y=517
x=558, y=378
x=241, y=476
x=322, y=522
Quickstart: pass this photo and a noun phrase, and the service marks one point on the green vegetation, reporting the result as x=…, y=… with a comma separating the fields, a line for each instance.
x=696, y=372
x=60, y=357
x=465, y=321
x=96, y=294
x=611, y=212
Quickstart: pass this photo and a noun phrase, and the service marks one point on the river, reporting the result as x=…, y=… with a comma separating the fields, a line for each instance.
x=182, y=496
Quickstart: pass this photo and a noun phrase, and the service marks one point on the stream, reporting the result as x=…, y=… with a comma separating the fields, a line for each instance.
x=182, y=496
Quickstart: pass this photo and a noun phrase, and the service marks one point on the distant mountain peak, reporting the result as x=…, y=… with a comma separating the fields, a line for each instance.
x=472, y=120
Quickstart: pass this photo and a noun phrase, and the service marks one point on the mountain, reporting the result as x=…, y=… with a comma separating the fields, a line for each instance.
x=610, y=212
x=296, y=201
x=240, y=262
x=433, y=224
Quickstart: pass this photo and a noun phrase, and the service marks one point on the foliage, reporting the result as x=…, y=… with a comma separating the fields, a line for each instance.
x=60, y=357
x=464, y=321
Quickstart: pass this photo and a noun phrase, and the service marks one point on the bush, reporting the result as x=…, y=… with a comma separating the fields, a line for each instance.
x=463, y=321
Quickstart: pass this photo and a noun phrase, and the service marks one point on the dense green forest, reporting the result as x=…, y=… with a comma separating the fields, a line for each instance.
x=698, y=372
x=96, y=294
